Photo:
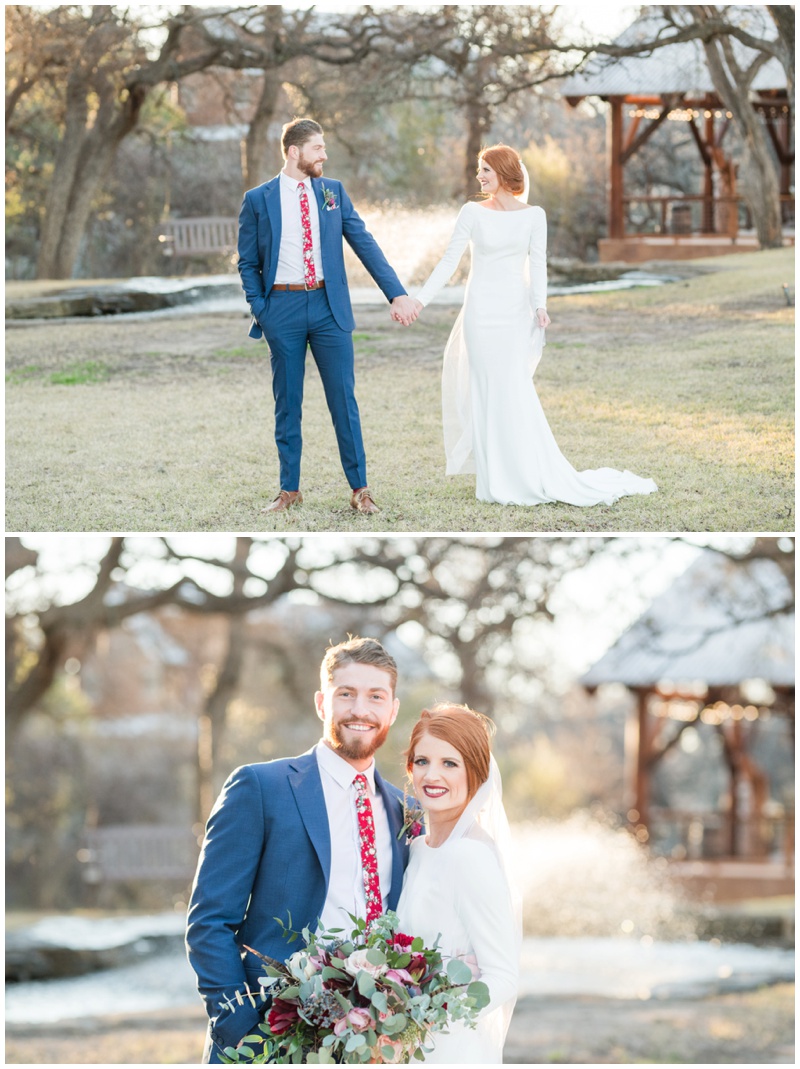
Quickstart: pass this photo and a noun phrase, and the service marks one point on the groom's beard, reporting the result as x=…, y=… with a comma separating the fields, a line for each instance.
x=356, y=748
x=313, y=170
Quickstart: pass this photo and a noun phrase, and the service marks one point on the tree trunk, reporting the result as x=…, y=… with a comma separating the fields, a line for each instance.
x=759, y=178
x=761, y=190
x=20, y=697
x=783, y=17
x=212, y=726
x=65, y=166
x=84, y=158
x=255, y=155
x=478, y=124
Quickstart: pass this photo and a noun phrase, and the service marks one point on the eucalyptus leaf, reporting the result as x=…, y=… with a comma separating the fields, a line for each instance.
x=458, y=972
x=375, y=956
x=379, y=1002
x=329, y=973
x=366, y=984
x=480, y=992
x=417, y=945
x=355, y=1042
x=394, y=1023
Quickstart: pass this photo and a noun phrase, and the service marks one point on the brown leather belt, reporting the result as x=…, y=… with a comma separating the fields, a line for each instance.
x=285, y=287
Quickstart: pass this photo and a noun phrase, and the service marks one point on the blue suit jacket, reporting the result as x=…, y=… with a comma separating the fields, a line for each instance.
x=260, y=241
x=267, y=852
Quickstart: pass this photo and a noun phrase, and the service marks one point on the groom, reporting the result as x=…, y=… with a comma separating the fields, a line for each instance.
x=291, y=263
x=284, y=837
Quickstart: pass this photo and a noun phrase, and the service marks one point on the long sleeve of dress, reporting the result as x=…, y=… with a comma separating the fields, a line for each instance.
x=537, y=258
x=483, y=904
x=445, y=269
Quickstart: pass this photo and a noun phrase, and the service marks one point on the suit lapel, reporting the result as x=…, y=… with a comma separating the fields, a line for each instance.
x=316, y=185
x=306, y=785
x=272, y=198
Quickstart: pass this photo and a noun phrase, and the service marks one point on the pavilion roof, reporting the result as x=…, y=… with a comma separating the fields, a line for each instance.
x=719, y=623
x=679, y=68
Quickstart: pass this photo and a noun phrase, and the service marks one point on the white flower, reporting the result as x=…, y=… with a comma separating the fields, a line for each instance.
x=300, y=966
x=357, y=962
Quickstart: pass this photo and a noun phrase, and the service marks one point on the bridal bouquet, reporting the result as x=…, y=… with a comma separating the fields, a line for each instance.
x=376, y=996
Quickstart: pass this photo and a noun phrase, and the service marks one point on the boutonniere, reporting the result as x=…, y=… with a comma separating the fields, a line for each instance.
x=413, y=822
x=329, y=197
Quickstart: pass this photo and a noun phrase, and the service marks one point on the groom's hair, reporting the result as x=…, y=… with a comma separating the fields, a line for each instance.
x=356, y=651
x=297, y=132
x=465, y=730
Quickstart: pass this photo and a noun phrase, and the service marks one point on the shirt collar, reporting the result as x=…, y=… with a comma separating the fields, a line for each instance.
x=293, y=183
x=341, y=771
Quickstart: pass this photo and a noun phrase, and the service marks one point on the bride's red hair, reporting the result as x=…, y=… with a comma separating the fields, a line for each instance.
x=507, y=165
x=464, y=729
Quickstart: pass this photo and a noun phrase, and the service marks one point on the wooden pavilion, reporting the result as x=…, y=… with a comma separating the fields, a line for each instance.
x=672, y=84
x=714, y=653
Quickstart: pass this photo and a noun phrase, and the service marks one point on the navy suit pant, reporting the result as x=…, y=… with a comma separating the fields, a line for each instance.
x=294, y=321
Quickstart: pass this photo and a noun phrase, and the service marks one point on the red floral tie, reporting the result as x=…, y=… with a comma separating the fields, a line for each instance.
x=310, y=271
x=369, y=854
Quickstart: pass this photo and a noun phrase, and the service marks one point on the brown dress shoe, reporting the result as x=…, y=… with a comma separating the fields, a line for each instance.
x=284, y=501
x=362, y=501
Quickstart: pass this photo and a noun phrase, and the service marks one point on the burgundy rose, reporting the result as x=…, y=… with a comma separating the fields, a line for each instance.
x=282, y=1016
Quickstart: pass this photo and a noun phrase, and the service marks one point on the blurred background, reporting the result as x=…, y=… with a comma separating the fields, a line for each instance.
x=643, y=691
x=132, y=131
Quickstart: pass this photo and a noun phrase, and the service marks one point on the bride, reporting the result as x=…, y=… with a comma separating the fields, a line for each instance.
x=494, y=425
x=456, y=888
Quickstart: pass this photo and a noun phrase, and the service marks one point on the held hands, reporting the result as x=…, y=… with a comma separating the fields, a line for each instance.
x=405, y=309
x=542, y=318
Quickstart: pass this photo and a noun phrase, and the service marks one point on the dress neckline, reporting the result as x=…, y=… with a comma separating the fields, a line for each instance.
x=513, y=211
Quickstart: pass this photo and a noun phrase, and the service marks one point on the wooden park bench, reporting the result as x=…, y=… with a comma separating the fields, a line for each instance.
x=200, y=236
x=138, y=852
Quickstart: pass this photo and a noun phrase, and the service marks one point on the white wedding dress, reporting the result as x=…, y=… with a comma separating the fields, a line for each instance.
x=494, y=424
x=459, y=894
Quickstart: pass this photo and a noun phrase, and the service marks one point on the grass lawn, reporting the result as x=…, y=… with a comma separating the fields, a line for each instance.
x=165, y=423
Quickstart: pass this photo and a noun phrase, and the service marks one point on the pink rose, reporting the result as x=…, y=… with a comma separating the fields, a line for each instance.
x=400, y=976
x=357, y=1019
x=390, y=1051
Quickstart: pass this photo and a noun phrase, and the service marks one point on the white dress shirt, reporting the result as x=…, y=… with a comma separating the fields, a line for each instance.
x=291, y=268
x=346, y=880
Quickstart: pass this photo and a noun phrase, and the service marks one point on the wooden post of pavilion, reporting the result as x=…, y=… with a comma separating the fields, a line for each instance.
x=642, y=771
x=616, y=206
x=708, y=225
